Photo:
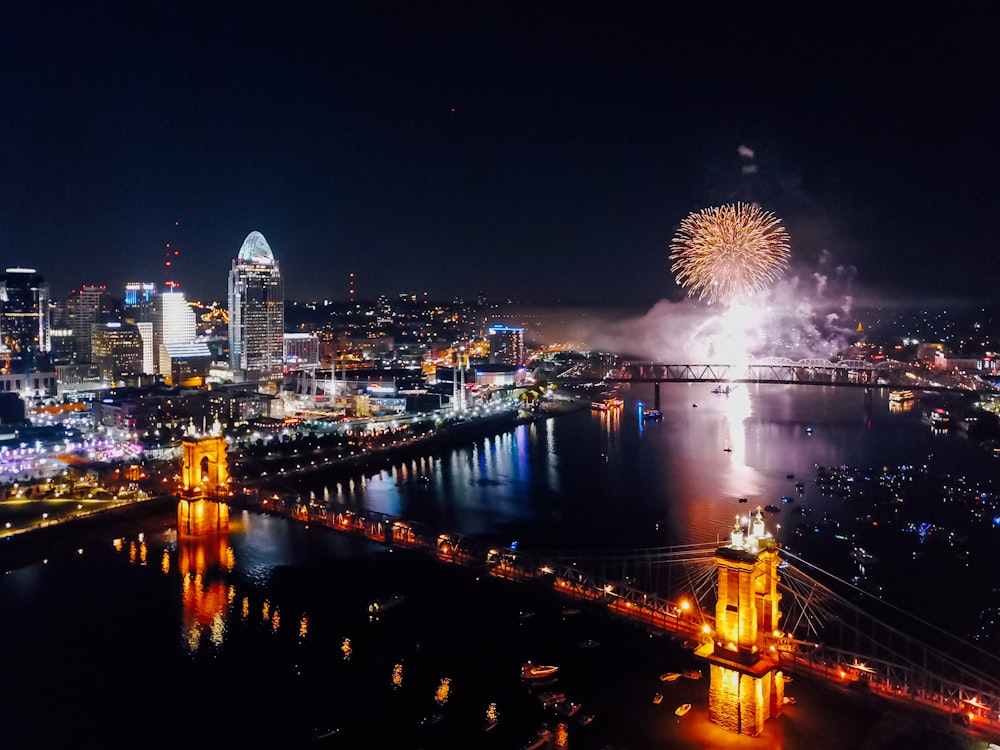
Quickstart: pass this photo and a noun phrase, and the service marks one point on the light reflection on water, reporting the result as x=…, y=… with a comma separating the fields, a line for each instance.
x=240, y=602
x=610, y=479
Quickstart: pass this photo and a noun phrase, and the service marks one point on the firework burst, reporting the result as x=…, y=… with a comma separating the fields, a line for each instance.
x=729, y=253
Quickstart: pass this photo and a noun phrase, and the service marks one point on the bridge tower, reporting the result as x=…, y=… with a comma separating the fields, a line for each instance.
x=746, y=686
x=204, y=482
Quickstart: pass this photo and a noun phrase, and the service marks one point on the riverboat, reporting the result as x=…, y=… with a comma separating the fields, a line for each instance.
x=901, y=395
x=693, y=674
x=682, y=709
x=530, y=671
x=607, y=404
x=669, y=676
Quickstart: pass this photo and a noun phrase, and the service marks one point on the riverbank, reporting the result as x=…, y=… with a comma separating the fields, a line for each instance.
x=70, y=533
x=443, y=439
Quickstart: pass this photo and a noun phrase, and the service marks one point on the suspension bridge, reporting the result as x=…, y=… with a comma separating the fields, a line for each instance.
x=701, y=592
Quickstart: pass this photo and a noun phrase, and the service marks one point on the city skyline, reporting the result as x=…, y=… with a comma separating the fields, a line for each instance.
x=540, y=153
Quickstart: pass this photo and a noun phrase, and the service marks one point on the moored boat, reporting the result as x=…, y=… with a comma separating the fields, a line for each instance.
x=692, y=674
x=530, y=671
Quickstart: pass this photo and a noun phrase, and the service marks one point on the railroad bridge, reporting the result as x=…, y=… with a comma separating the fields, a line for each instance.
x=767, y=370
x=747, y=606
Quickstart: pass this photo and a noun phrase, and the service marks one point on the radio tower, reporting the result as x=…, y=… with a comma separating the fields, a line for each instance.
x=171, y=254
x=350, y=287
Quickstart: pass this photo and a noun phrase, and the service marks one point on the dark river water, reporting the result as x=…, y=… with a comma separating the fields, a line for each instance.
x=136, y=637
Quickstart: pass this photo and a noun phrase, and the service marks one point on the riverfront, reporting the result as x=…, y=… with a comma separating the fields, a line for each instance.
x=156, y=625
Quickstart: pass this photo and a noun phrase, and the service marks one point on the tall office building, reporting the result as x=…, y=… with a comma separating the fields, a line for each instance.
x=24, y=321
x=256, y=312
x=89, y=306
x=138, y=310
x=174, y=327
x=116, y=348
x=507, y=345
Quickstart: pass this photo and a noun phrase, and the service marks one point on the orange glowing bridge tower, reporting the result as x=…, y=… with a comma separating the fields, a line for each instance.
x=746, y=686
x=205, y=484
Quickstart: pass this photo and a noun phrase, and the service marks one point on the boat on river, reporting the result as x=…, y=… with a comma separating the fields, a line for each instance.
x=530, y=671
x=682, y=709
x=669, y=676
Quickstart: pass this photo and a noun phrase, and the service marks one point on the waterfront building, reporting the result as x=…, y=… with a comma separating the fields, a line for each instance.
x=506, y=345
x=256, y=312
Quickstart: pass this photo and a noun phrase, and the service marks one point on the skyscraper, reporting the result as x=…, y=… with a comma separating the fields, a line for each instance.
x=256, y=312
x=24, y=321
x=173, y=324
x=507, y=344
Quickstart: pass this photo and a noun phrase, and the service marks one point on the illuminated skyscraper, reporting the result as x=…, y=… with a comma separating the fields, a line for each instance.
x=507, y=345
x=256, y=312
x=24, y=321
x=173, y=324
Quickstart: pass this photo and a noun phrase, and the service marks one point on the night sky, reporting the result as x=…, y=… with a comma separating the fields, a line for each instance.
x=527, y=150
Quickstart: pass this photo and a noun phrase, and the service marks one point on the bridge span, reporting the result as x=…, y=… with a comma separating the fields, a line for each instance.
x=822, y=634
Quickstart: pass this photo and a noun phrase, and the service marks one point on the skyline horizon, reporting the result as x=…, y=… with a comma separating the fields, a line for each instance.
x=530, y=152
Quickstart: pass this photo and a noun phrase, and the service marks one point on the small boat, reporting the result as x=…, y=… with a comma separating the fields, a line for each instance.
x=727, y=450
x=586, y=719
x=658, y=698
x=682, y=709
x=789, y=700
x=743, y=500
x=669, y=676
x=652, y=415
x=788, y=499
x=692, y=674
x=772, y=508
x=569, y=611
x=531, y=671
x=381, y=605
